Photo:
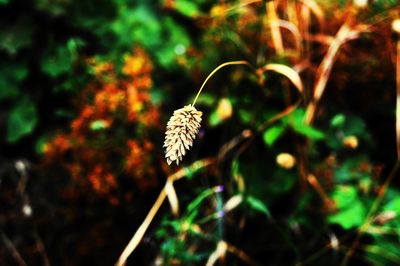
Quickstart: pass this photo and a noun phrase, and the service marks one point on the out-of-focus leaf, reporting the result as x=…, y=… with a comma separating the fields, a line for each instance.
x=349, y=217
x=57, y=62
x=4, y=2
x=349, y=169
x=98, y=125
x=272, y=134
x=146, y=27
x=206, y=99
x=17, y=36
x=349, y=125
x=157, y=96
x=245, y=116
x=257, y=205
x=22, y=120
x=351, y=211
x=338, y=120
x=287, y=71
x=214, y=119
x=137, y=25
x=199, y=199
x=10, y=77
x=41, y=144
x=91, y=15
x=73, y=45
x=55, y=8
x=233, y=202
x=385, y=251
x=354, y=126
x=309, y=132
x=393, y=205
x=164, y=37
x=296, y=120
x=186, y=8
x=176, y=37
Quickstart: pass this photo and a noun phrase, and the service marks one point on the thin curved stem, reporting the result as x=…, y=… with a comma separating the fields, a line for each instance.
x=242, y=62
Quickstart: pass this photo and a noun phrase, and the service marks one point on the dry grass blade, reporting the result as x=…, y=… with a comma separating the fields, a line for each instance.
x=289, y=72
x=275, y=31
x=137, y=237
x=172, y=197
x=182, y=129
x=232, y=203
x=328, y=203
x=294, y=30
x=246, y=134
x=242, y=4
x=219, y=252
x=14, y=252
x=222, y=248
x=398, y=98
x=344, y=34
x=316, y=10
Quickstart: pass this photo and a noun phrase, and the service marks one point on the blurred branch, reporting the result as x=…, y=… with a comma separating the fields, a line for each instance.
x=14, y=252
x=41, y=248
x=398, y=93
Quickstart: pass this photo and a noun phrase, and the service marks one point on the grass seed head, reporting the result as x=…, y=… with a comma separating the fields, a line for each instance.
x=182, y=129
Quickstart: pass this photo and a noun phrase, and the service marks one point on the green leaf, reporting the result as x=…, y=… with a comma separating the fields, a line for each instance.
x=383, y=253
x=22, y=120
x=4, y=2
x=53, y=8
x=355, y=126
x=177, y=40
x=41, y=144
x=11, y=75
x=338, y=120
x=98, y=125
x=296, y=120
x=137, y=25
x=73, y=46
x=206, y=99
x=57, y=62
x=245, y=116
x=199, y=199
x=351, y=211
x=393, y=205
x=214, y=119
x=309, y=132
x=349, y=169
x=17, y=36
x=235, y=168
x=258, y=205
x=349, y=217
x=186, y=8
x=272, y=134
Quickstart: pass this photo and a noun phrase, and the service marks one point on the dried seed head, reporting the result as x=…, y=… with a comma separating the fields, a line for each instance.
x=182, y=129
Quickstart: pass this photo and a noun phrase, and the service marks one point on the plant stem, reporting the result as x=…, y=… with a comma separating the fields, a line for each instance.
x=242, y=62
x=398, y=98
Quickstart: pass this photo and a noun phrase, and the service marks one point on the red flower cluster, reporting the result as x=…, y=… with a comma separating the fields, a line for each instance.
x=107, y=139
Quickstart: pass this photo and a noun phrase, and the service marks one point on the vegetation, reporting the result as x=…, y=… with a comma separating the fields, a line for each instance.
x=296, y=161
